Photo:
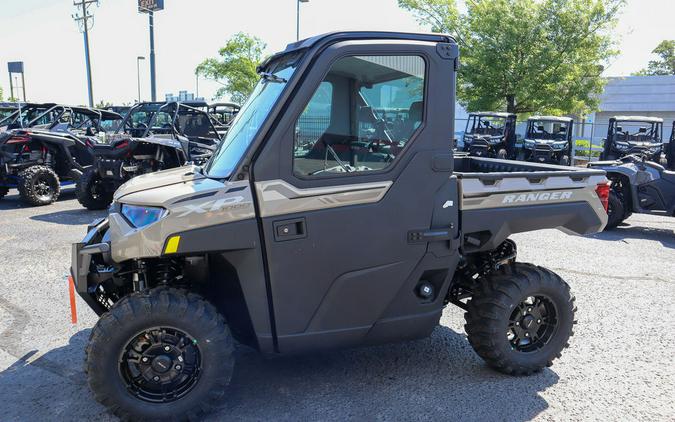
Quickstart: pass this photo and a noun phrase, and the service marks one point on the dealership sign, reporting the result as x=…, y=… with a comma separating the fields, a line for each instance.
x=145, y=6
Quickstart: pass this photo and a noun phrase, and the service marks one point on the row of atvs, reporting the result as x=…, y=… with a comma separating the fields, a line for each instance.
x=46, y=146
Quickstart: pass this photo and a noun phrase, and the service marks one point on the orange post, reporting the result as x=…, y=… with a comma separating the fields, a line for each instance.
x=73, y=305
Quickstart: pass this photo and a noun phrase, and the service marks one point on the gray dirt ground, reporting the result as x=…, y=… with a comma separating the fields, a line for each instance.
x=619, y=366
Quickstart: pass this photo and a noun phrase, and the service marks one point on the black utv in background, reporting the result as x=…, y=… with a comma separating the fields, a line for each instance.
x=628, y=135
x=153, y=136
x=639, y=185
x=46, y=146
x=548, y=139
x=490, y=134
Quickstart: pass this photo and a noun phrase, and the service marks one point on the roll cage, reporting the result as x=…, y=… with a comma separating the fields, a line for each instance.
x=648, y=129
x=172, y=118
x=489, y=123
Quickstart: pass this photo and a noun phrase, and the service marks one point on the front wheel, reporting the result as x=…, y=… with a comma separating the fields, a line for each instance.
x=91, y=192
x=520, y=318
x=3, y=191
x=39, y=185
x=502, y=154
x=162, y=354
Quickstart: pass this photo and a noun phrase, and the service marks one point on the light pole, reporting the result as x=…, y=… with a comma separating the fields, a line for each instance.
x=138, y=75
x=297, y=19
x=84, y=17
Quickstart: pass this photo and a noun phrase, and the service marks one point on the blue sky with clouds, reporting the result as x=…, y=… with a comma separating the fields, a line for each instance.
x=43, y=35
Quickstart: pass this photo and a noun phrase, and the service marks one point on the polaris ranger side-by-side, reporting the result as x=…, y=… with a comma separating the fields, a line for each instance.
x=361, y=236
x=628, y=135
x=46, y=146
x=548, y=139
x=152, y=137
x=490, y=134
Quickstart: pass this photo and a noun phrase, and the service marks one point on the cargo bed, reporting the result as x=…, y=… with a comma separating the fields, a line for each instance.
x=501, y=197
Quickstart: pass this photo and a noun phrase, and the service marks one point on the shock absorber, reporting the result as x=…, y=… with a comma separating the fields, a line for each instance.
x=165, y=271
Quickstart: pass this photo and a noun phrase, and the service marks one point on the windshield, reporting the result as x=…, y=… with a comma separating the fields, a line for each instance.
x=485, y=125
x=547, y=130
x=251, y=117
x=637, y=131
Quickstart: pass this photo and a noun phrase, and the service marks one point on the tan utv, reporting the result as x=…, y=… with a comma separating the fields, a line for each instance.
x=333, y=215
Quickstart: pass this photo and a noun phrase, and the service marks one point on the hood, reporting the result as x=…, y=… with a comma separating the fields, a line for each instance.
x=146, y=182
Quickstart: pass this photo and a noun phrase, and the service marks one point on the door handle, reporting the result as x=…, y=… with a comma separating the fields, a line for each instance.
x=289, y=229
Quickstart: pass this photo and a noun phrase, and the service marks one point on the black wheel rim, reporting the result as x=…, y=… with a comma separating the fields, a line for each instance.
x=43, y=188
x=532, y=324
x=160, y=365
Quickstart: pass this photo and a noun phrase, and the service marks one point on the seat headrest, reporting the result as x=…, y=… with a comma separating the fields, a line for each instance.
x=415, y=112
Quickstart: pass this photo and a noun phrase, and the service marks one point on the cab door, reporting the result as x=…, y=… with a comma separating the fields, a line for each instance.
x=356, y=200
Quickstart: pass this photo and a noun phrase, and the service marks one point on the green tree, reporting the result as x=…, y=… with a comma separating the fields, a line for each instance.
x=527, y=56
x=0, y=93
x=235, y=69
x=665, y=65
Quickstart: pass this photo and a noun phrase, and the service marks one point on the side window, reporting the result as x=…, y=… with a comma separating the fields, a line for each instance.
x=361, y=116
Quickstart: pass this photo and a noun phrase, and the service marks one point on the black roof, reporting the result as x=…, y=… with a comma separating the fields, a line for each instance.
x=333, y=37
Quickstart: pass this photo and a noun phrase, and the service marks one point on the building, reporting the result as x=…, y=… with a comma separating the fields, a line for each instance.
x=182, y=96
x=652, y=96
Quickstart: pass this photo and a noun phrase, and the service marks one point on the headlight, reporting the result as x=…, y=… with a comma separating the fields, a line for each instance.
x=140, y=216
x=529, y=143
x=559, y=145
x=468, y=139
x=655, y=149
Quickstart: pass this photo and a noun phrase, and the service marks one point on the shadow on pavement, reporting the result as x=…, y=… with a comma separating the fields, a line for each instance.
x=623, y=232
x=75, y=217
x=12, y=201
x=439, y=378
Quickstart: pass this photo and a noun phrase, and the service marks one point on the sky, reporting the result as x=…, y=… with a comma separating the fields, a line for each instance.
x=42, y=34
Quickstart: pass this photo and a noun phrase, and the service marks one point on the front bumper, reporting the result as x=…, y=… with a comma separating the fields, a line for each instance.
x=84, y=279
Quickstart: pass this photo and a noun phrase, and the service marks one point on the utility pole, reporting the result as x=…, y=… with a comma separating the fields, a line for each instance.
x=85, y=20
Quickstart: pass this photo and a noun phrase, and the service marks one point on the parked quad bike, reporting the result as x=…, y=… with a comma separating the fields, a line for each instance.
x=153, y=137
x=47, y=146
x=638, y=186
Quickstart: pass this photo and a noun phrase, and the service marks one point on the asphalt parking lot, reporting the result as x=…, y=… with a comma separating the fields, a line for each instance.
x=619, y=366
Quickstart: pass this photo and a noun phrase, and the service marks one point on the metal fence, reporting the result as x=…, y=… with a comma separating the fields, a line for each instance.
x=588, y=139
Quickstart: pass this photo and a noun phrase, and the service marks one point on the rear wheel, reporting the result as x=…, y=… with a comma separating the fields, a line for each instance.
x=91, y=192
x=39, y=185
x=162, y=354
x=520, y=318
x=616, y=211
